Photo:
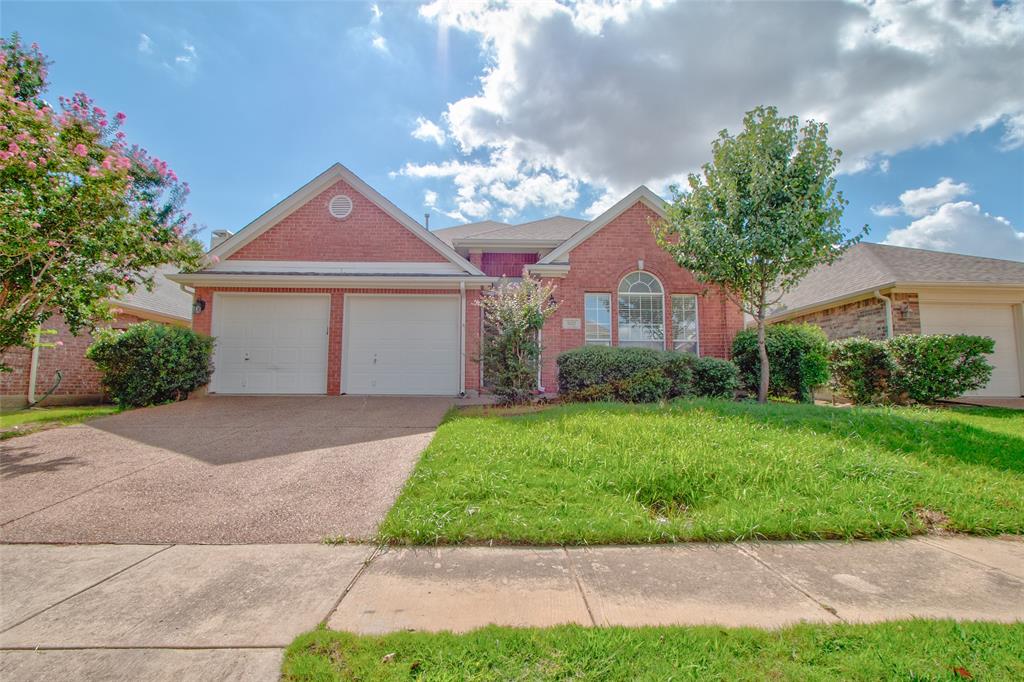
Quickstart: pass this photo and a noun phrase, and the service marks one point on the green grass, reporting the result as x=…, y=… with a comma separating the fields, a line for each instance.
x=18, y=422
x=904, y=650
x=712, y=470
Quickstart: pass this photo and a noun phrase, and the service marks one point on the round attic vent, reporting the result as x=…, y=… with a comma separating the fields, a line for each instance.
x=340, y=206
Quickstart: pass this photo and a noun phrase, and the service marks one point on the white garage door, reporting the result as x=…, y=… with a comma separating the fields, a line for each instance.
x=995, y=321
x=401, y=345
x=270, y=344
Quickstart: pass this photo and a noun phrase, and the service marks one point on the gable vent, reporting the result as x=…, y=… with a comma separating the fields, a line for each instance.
x=340, y=206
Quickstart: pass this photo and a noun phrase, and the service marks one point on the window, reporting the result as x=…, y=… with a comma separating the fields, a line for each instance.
x=597, y=310
x=641, y=311
x=685, y=335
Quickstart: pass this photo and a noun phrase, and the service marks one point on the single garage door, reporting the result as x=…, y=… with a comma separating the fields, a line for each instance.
x=270, y=343
x=400, y=345
x=995, y=321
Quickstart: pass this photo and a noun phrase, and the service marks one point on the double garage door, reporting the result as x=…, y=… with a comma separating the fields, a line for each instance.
x=391, y=345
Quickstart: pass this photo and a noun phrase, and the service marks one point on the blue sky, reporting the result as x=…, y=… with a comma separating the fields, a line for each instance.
x=516, y=113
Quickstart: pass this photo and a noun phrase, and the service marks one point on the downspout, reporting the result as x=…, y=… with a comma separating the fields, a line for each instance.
x=32, y=367
x=888, y=312
x=462, y=338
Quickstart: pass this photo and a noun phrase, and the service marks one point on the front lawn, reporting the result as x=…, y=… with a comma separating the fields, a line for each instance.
x=905, y=650
x=712, y=470
x=18, y=422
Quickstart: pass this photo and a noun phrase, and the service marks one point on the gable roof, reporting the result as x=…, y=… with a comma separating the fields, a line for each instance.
x=866, y=267
x=469, y=230
x=166, y=300
x=318, y=184
x=554, y=230
x=641, y=194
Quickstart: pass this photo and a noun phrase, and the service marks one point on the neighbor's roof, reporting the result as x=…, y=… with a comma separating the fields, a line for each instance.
x=167, y=299
x=865, y=267
x=553, y=229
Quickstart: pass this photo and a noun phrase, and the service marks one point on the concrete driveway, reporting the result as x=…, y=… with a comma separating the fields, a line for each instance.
x=218, y=470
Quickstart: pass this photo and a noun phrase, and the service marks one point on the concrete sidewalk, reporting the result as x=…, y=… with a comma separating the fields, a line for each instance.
x=186, y=612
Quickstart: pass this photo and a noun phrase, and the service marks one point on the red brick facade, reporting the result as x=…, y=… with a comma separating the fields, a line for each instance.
x=80, y=380
x=866, y=317
x=311, y=233
x=598, y=264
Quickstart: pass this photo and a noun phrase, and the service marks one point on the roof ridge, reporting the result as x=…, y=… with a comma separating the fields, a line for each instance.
x=884, y=268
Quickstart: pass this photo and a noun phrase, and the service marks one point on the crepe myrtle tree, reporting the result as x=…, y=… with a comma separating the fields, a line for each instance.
x=760, y=215
x=84, y=216
x=514, y=312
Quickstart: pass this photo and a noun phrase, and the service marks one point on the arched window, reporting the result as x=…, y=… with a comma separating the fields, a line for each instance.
x=641, y=311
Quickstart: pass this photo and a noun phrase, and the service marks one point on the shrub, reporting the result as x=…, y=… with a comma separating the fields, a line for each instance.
x=860, y=370
x=939, y=367
x=920, y=369
x=591, y=365
x=797, y=358
x=648, y=386
x=151, y=363
x=714, y=378
x=678, y=369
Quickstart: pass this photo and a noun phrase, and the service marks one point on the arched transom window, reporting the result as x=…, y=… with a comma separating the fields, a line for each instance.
x=641, y=311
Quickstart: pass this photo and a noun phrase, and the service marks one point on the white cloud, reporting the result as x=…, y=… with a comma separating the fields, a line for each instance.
x=427, y=130
x=962, y=227
x=380, y=43
x=884, y=165
x=430, y=198
x=375, y=13
x=145, y=44
x=188, y=60
x=923, y=200
x=614, y=94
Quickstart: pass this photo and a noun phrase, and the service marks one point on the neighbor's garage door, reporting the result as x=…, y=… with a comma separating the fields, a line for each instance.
x=995, y=321
x=270, y=343
x=401, y=345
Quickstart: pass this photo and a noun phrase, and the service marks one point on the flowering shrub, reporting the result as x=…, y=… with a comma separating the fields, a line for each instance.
x=84, y=216
x=513, y=314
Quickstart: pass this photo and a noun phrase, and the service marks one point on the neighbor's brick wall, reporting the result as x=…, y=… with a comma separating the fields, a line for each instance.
x=311, y=233
x=80, y=378
x=506, y=264
x=597, y=266
x=203, y=323
x=867, y=318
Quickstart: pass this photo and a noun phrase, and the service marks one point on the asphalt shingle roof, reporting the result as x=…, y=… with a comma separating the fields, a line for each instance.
x=556, y=228
x=167, y=298
x=868, y=266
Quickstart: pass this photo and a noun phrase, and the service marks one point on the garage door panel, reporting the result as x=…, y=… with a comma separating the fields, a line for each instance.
x=401, y=345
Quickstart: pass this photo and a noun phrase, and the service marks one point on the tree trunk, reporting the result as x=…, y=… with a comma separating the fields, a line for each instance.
x=762, y=351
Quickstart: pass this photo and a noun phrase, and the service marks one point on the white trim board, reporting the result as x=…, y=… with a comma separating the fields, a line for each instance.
x=338, y=267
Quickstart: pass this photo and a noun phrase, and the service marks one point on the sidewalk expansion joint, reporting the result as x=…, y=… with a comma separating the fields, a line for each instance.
x=87, y=588
x=352, y=583
x=792, y=583
x=967, y=558
x=579, y=585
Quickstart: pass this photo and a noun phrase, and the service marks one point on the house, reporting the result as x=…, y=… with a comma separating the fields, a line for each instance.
x=35, y=371
x=336, y=290
x=879, y=291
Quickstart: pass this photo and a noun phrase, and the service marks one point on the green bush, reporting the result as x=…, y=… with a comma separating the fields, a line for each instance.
x=860, y=369
x=905, y=369
x=797, y=358
x=598, y=373
x=151, y=363
x=714, y=378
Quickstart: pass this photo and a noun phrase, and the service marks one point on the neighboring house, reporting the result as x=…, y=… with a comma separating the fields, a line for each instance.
x=35, y=372
x=879, y=291
x=336, y=290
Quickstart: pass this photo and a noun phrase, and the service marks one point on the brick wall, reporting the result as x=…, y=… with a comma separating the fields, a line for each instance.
x=867, y=318
x=203, y=323
x=80, y=380
x=505, y=264
x=311, y=233
x=597, y=266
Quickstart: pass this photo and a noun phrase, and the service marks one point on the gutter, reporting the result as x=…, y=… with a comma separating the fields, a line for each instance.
x=877, y=293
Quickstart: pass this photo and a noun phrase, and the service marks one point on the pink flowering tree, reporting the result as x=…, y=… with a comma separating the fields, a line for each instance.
x=84, y=216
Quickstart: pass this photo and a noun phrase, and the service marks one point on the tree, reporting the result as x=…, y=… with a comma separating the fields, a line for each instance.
x=513, y=315
x=83, y=217
x=762, y=214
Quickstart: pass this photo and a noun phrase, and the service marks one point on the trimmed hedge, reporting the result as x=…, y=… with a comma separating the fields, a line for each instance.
x=910, y=369
x=151, y=363
x=797, y=358
x=641, y=375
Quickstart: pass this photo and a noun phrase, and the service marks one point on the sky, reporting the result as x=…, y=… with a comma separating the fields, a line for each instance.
x=515, y=112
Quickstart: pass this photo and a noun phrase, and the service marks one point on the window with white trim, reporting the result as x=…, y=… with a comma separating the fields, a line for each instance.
x=641, y=311
x=685, y=329
x=597, y=315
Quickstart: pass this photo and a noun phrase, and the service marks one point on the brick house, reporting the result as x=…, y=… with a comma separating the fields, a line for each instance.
x=879, y=291
x=336, y=290
x=35, y=372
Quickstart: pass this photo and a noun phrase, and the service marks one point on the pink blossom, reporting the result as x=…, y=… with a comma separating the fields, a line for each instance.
x=120, y=117
x=80, y=149
x=36, y=225
x=214, y=259
x=13, y=148
x=94, y=171
x=31, y=165
x=58, y=343
x=53, y=243
x=108, y=162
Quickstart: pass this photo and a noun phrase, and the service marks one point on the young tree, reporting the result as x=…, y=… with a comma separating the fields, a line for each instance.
x=513, y=314
x=763, y=213
x=83, y=217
